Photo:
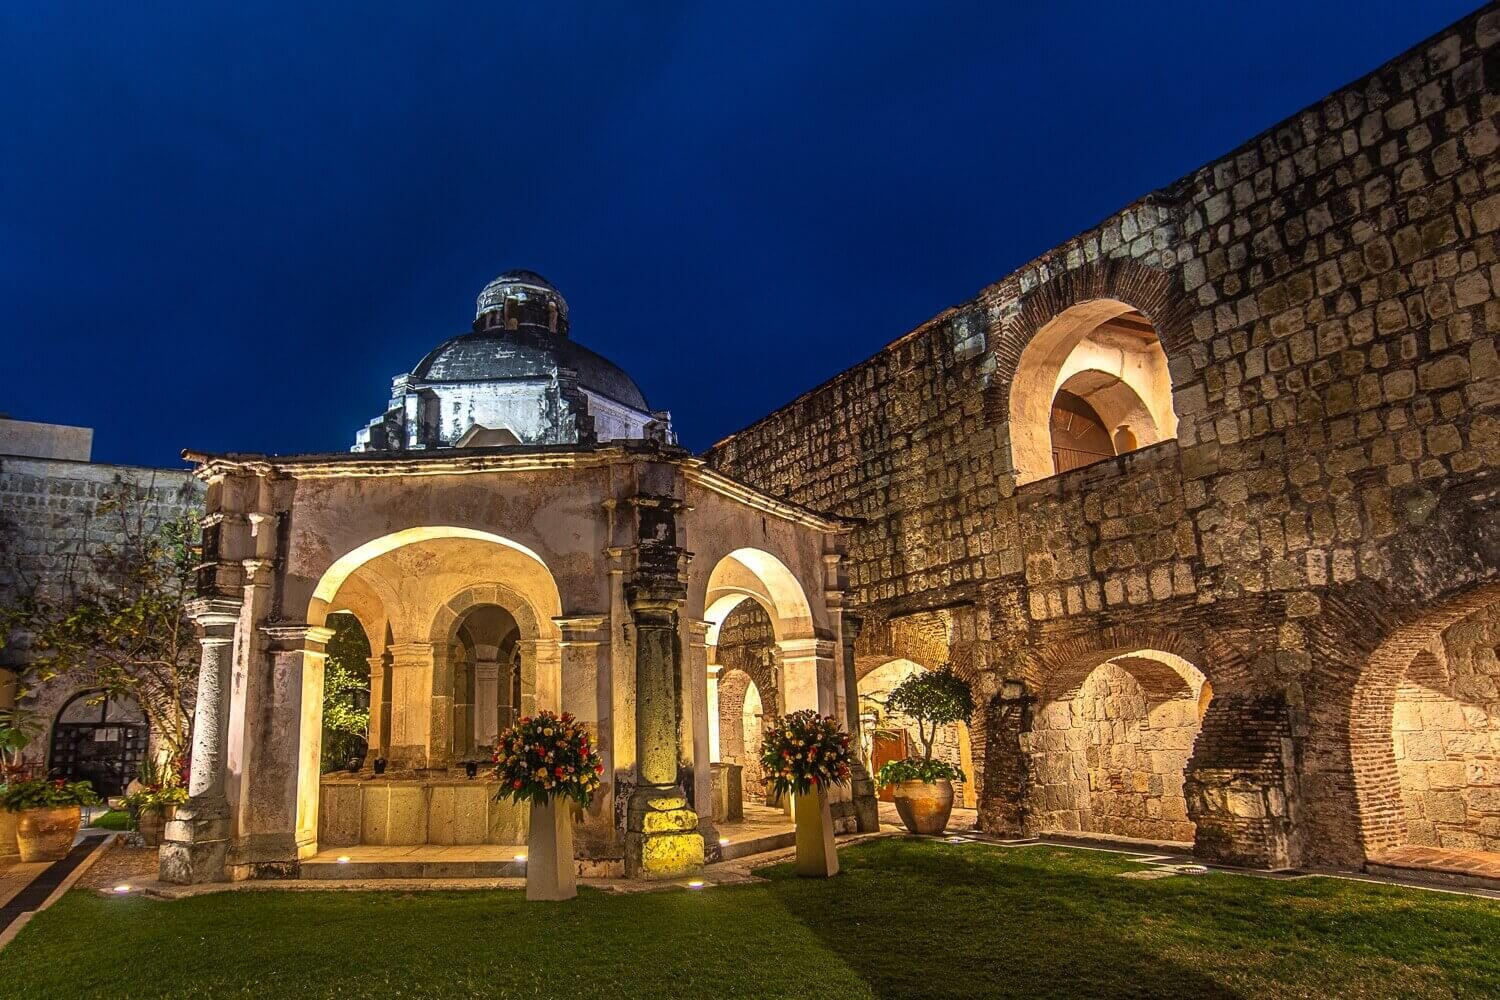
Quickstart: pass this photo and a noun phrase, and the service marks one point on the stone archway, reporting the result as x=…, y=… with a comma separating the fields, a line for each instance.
x=1109, y=747
x=952, y=744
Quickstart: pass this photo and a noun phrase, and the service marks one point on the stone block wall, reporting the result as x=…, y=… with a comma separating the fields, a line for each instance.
x=52, y=534
x=1325, y=297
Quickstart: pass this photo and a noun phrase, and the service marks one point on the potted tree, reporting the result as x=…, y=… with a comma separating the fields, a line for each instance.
x=923, y=787
x=47, y=814
x=549, y=761
x=804, y=754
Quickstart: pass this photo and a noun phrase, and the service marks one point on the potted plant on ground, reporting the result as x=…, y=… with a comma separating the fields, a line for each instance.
x=17, y=726
x=921, y=786
x=805, y=754
x=47, y=814
x=154, y=804
x=549, y=761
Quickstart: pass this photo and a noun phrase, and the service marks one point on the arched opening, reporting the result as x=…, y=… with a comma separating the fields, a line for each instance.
x=1109, y=747
x=346, y=693
x=99, y=739
x=447, y=605
x=1093, y=383
x=760, y=635
x=1438, y=806
x=889, y=735
x=487, y=680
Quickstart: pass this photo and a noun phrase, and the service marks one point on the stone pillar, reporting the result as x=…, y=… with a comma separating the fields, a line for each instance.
x=715, y=749
x=197, y=840
x=861, y=783
x=411, y=704
x=440, y=746
x=487, y=702
x=1003, y=791
x=380, y=728
x=662, y=838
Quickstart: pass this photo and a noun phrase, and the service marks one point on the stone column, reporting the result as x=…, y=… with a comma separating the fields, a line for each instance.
x=662, y=838
x=715, y=749
x=379, y=729
x=861, y=783
x=440, y=734
x=487, y=702
x=411, y=704
x=197, y=840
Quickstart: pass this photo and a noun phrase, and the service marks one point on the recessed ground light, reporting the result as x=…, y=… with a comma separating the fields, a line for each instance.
x=521, y=857
x=1192, y=869
x=343, y=859
x=695, y=884
x=122, y=888
x=723, y=841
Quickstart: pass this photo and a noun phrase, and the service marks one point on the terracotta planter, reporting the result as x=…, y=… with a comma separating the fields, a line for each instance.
x=8, y=849
x=152, y=823
x=924, y=805
x=46, y=834
x=550, y=872
x=816, y=855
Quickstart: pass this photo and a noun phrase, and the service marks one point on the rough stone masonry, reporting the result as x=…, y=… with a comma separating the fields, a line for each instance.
x=1325, y=297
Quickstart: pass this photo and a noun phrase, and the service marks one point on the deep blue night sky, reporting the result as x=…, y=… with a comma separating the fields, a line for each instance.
x=228, y=230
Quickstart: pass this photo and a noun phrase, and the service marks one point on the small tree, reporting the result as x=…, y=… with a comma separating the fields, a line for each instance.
x=933, y=698
x=346, y=688
x=118, y=618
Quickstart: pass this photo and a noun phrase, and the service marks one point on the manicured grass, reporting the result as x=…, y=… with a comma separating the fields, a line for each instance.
x=905, y=919
x=115, y=819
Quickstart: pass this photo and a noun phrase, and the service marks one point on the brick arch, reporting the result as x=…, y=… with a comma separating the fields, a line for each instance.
x=1154, y=292
x=1053, y=667
x=1372, y=704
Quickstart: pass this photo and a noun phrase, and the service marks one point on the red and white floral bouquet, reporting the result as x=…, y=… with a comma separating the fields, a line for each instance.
x=803, y=751
x=547, y=756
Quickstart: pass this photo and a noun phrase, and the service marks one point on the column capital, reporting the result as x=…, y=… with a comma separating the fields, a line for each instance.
x=655, y=595
x=802, y=648
x=698, y=629
x=581, y=630
x=289, y=636
x=215, y=616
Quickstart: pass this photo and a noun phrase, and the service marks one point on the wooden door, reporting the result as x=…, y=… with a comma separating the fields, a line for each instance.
x=886, y=745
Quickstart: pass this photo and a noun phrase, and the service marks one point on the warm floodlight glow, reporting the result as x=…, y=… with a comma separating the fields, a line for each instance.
x=122, y=888
x=695, y=884
x=342, y=567
x=723, y=841
x=521, y=858
x=343, y=859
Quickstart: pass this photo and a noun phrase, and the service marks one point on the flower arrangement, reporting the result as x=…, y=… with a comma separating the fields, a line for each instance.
x=46, y=793
x=160, y=786
x=894, y=772
x=803, y=751
x=547, y=756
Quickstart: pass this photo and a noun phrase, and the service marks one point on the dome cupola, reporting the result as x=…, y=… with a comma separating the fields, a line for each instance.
x=521, y=300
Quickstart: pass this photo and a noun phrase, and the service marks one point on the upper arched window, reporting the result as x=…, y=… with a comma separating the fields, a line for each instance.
x=1090, y=385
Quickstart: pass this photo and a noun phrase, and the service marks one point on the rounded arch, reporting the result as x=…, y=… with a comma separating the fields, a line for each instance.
x=344, y=566
x=533, y=612
x=1380, y=815
x=1064, y=661
x=1035, y=351
x=756, y=573
x=100, y=739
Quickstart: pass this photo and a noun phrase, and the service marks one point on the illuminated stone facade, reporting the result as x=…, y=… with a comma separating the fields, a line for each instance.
x=1203, y=634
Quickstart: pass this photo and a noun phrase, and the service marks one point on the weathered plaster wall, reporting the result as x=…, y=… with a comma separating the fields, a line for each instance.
x=1325, y=297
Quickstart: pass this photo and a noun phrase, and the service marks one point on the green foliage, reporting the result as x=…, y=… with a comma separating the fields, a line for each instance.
x=46, y=793
x=119, y=618
x=160, y=787
x=346, y=676
x=18, y=726
x=115, y=819
x=894, y=772
x=934, y=698
x=803, y=751
x=547, y=756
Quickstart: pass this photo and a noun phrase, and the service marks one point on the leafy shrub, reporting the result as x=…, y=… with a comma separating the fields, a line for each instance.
x=46, y=793
x=915, y=769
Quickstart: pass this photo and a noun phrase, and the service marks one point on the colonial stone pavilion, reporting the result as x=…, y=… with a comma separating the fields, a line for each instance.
x=583, y=565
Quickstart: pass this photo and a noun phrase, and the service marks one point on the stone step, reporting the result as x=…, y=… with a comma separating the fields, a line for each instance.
x=777, y=841
x=417, y=868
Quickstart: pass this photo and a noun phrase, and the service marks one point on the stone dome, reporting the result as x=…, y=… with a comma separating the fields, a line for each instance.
x=501, y=355
x=522, y=298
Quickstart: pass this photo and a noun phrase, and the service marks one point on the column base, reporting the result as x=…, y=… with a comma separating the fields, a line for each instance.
x=661, y=835
x=862, y=791
x=196, y=845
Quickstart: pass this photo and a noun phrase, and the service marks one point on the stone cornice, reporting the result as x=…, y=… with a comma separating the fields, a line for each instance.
x=474, y=461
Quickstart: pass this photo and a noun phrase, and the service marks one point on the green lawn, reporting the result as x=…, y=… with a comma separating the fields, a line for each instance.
x=115, y=819
x=905, y=919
